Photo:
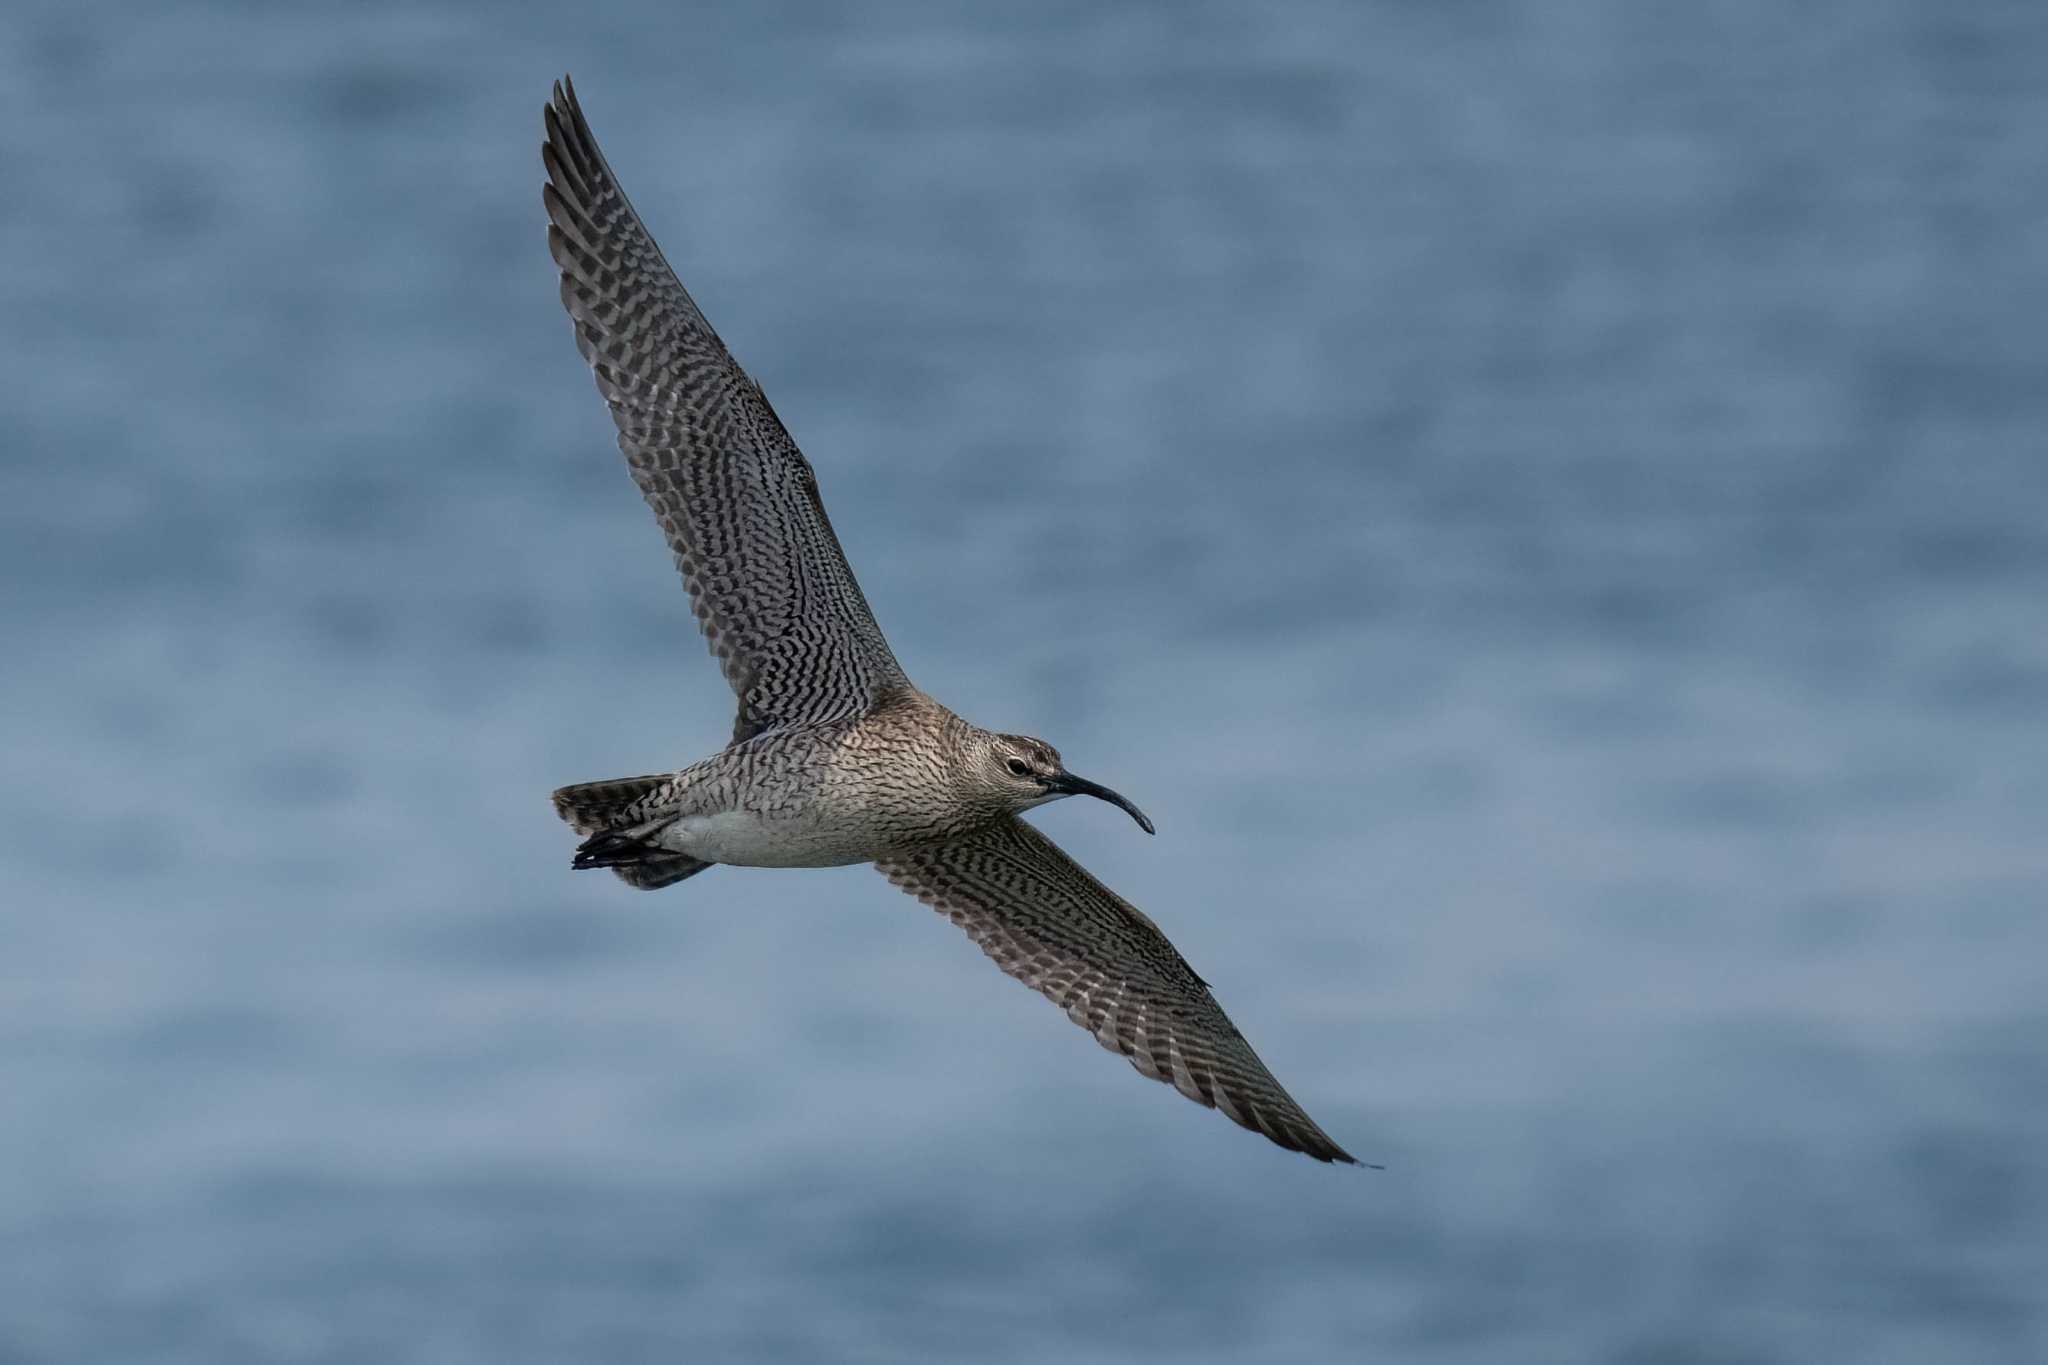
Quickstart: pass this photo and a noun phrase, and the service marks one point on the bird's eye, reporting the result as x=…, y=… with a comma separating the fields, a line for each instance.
x=1020, y=767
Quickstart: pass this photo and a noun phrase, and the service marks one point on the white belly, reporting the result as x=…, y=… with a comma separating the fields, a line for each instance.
x=747, y=839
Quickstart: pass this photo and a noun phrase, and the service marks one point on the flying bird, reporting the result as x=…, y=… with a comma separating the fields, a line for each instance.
x=836, y=756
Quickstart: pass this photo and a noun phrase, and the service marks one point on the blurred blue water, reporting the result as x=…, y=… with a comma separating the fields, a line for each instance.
x=1547, y=507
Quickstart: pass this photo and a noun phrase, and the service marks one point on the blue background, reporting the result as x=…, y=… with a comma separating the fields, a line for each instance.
x=1547, y=506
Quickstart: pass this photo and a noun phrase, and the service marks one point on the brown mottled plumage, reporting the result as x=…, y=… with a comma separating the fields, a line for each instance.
x=836, y=757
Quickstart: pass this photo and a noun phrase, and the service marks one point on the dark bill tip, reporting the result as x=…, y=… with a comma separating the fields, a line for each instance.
x=1069, y=785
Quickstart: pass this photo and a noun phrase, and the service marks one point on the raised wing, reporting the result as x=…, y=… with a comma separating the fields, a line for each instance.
x=736, y=498
x=1048, y=923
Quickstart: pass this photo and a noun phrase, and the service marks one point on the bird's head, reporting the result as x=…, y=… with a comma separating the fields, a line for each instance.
x=1018, y=772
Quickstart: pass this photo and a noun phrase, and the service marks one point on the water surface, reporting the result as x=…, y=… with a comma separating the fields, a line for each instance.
x=1548, y=510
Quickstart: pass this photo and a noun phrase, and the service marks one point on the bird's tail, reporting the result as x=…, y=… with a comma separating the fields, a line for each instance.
x=593, y=806
x=616, y=816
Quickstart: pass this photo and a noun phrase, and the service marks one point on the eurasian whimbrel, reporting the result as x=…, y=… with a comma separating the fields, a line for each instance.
x=836, y=756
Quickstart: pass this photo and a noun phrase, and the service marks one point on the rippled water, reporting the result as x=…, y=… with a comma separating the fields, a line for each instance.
x=1546, y=506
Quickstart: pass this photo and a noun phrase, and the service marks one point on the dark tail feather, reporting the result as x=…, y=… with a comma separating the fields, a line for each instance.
x=637, y=864
x=613, y=848
x=593, y=806
x=615, y=818
x=658, y=870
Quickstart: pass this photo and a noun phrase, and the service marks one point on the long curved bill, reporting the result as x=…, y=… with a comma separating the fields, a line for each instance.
x=1066, y=784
